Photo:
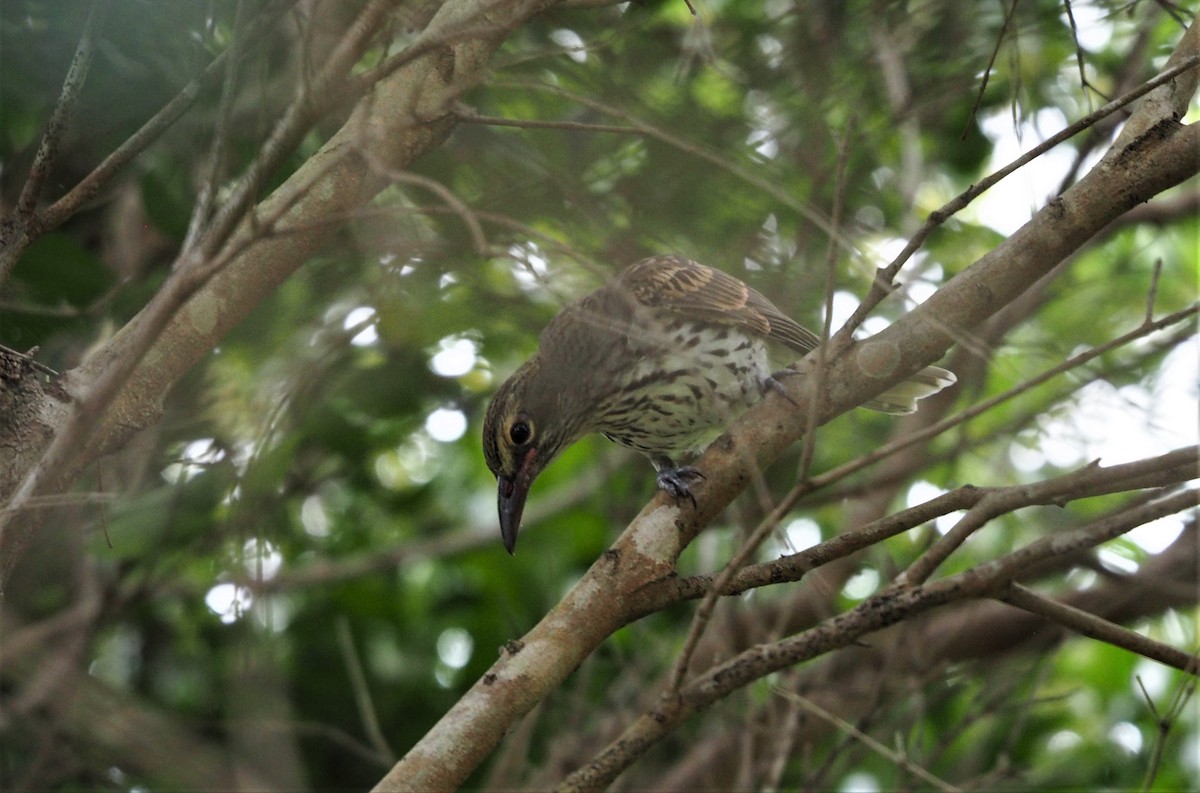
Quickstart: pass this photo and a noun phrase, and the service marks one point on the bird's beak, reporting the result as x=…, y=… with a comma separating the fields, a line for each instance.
x=511, y=493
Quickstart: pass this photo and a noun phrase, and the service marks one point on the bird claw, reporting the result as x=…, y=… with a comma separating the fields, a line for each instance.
x=675, y=482
x=771, y=383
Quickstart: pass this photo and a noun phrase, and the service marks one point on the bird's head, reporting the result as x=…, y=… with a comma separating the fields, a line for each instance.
x=524, y=430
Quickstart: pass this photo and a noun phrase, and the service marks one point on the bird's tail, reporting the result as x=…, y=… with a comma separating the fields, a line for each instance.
x=902, y=397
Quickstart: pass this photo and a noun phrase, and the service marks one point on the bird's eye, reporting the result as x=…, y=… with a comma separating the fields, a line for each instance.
x=520, y=432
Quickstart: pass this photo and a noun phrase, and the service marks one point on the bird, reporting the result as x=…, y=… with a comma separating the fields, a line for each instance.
x=661, y=359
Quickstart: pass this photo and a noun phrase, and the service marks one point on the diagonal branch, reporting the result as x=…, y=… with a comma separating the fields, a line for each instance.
x=1095, y=627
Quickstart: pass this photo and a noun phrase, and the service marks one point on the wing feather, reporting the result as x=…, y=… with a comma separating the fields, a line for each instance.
x=690, y=288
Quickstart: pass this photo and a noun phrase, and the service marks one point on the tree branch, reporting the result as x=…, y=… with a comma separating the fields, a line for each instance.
x=1098, y=628
x=889, y=607
x=1088, y=482
x=983, y=632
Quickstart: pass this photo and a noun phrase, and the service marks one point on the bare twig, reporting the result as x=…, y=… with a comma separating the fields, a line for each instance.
x=1080, y=59
x=65, y=499
x=15, y=231
x=207, y=192
x=900, y=760
x=979, y=408
x=28, y=358
x=805, y=487
x=87, y=188
x=455, y=204
x=753, y=178
x=1165, y=722
x=987, y=71
x=47, y=150
x=1152, y=292
x=295, y=121
x=362, y=695
x=1133, y=63
x=1095, y=627
x=468, y=116
x=784, y=747
x=831, y=257
x=882, y=285
x=1177, y=466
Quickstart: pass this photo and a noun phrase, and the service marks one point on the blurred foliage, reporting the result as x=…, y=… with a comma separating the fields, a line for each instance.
x=299, y=481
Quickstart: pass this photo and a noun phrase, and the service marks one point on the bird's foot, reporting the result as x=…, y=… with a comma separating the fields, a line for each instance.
x=675, y=482
x=771, y=383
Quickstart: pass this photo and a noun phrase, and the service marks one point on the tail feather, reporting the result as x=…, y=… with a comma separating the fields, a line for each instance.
x=902, y=398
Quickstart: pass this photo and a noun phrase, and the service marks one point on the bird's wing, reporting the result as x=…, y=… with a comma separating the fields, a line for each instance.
x=679, y=284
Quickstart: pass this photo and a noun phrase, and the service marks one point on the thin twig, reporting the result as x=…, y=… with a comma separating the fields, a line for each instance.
x=831, y=257
x=293, y=124
x=1080, y=60
x=64, y=311
x=1095, y=627
x=882, y=285
x=805, y=487
x=358, y=85
x=990, y=506
x=987, y=72
x=758, y=181
x=979, y=408
x=1133, y=61
x=455, y=204
x=901, y=760
x=207, y=192
x=362, y=694
x=795, y=566
x=1165, y=722
x=58, y=212
x=1053, y=491
x=64, y=500
x=468, y=116
x=1152, y=292
x=784, y=747
x=193, y=269
x=56, y=127
x=16, y=231
x=28, y=358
